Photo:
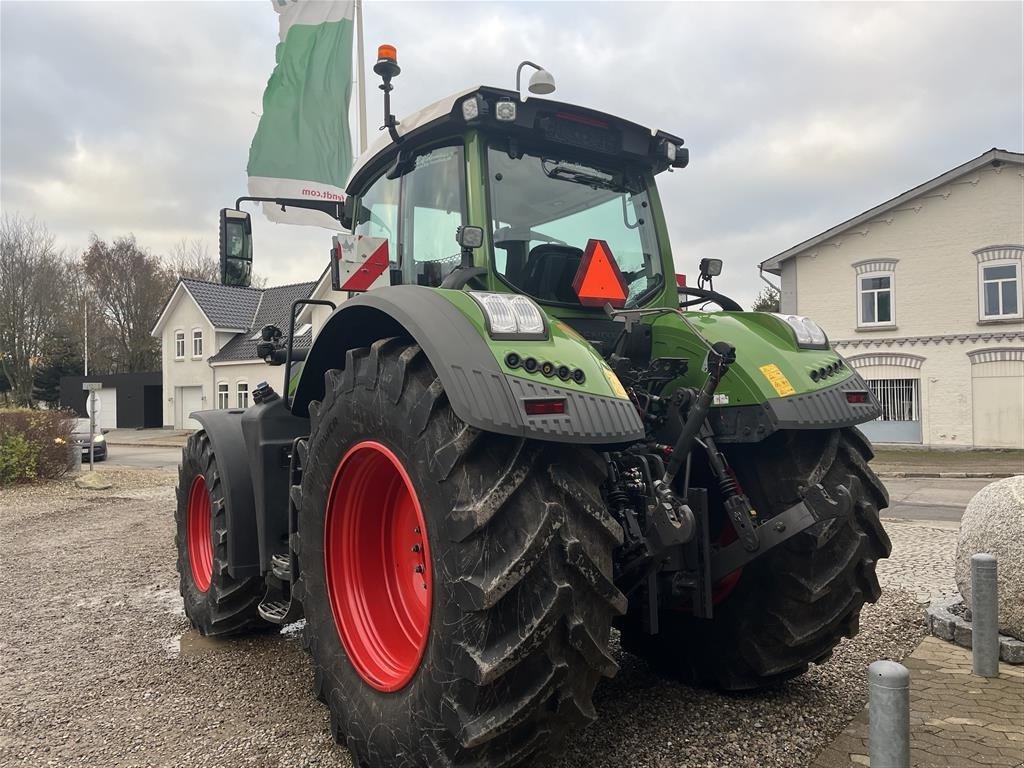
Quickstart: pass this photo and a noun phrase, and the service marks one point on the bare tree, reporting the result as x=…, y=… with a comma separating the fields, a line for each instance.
x=191, y=258
x=31, y=273
x=130, y=285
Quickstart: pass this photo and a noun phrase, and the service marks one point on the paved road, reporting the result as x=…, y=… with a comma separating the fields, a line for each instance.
x=924, y=498
x=146, y=457
x=910, y=498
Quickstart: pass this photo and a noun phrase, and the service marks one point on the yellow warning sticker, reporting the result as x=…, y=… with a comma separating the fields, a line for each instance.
x=778, y=380
x=614, y=383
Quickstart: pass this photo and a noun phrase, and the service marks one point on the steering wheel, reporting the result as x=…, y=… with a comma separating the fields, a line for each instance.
x=704, y=295
x=460, y=277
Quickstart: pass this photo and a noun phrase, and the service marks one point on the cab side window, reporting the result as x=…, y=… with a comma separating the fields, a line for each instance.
x=378, y=216
x=433, y=207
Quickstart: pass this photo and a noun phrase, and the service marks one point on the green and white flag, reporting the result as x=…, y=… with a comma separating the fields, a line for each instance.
x=303, y=144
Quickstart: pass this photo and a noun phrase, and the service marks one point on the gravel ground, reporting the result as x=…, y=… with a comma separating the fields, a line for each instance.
x=98, y=667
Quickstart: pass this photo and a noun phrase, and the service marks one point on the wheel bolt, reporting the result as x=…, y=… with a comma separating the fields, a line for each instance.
x=419, y=569
x=415, y=547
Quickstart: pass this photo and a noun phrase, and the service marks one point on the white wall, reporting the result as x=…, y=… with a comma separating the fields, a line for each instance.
x=936, y=276
x=932, y=239
x=248, y=371
x=184, y=314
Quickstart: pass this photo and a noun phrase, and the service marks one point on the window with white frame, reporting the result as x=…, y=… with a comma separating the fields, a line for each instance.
x=999, y=290
x=197, y=342
x=875, y=299
x=179, y=345
x=242, y=394
x=223, y=395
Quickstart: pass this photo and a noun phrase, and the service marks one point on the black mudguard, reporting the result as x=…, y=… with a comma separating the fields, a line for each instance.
x=224, y=429
x=479, y=392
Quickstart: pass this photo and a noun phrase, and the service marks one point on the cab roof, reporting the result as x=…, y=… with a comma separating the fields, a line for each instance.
x=542, y=120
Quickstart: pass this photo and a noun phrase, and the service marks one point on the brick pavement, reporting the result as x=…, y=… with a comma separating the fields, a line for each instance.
x=957, y=720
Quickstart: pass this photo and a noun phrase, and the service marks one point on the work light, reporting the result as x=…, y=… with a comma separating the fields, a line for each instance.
x=511, y=316
x=808, y=333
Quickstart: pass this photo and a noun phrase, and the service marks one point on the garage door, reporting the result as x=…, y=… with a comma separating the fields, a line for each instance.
x=998, y=392
x=107, y=399
x=900, y=421
x=189, y=399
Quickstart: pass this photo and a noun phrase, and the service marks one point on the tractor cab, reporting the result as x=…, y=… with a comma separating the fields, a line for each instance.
x=542, y=180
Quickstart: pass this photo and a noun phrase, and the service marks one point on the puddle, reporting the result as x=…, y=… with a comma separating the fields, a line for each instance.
x=191, y=643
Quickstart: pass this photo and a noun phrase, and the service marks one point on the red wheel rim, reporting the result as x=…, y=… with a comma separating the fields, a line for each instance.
x=200, y=539
x=377, y=563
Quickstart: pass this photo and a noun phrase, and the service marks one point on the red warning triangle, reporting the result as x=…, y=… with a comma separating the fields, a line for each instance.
x=599, y=281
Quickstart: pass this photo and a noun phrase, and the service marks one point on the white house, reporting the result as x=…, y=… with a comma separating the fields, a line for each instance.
x=922, y=294
x=208, y=335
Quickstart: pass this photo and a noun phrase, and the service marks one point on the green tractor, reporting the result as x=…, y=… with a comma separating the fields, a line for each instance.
x=532, y=434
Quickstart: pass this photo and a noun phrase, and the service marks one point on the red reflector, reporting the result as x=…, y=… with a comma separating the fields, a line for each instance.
x=680, y=281
x=858, y=397
x=544, y=407
x=581, y=119
x=599, y=280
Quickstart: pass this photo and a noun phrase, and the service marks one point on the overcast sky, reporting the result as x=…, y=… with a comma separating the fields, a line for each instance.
x=137, y=116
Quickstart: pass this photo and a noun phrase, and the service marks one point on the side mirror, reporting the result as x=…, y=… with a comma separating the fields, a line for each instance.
x=235, y=248
x=710, y=268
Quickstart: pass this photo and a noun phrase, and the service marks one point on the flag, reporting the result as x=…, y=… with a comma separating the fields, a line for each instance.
x=303, y=144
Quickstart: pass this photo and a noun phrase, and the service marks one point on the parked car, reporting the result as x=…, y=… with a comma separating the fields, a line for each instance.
x=80, y=435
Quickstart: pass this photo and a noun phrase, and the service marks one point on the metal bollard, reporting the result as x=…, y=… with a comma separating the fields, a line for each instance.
x=889, y=715
x=984, y=616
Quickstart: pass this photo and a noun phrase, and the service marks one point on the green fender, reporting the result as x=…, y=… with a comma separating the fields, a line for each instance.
x=449, y=326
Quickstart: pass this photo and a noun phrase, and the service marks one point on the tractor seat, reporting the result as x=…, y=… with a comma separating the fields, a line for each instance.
x=550, y=270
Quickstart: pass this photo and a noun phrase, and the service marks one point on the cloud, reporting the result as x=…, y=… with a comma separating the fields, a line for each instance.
x=121, y=117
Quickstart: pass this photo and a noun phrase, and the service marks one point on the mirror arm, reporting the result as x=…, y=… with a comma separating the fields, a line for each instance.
x=336, y=210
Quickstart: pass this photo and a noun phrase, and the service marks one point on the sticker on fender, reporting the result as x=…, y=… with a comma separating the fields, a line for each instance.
x=778, y=380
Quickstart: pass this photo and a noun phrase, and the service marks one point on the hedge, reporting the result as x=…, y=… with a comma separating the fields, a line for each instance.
x=34, y=444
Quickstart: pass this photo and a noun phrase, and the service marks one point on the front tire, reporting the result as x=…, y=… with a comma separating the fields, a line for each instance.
x=794, y=604
x=516, y=547
x=215, y=602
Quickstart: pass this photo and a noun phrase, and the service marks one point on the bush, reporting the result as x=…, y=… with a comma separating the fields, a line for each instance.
x=34, y=444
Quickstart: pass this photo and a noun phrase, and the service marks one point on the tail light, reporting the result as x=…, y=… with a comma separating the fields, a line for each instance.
x=857, y=397
x=546, y=407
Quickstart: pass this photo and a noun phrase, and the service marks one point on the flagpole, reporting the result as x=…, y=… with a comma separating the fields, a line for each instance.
x=361, y=69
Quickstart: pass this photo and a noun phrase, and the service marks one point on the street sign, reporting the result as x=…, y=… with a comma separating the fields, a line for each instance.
x=93, y=405
x=91, y=385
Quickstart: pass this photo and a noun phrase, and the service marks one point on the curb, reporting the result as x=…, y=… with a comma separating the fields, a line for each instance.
x=948, y=475
x=146, y=445
x=946, y=625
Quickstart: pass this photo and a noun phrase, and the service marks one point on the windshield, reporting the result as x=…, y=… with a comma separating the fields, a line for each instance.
x=544, y=211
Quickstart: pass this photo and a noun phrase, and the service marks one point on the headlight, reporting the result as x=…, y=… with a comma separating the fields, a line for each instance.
x=511, y=316
x=99, y=439
x=808, y=333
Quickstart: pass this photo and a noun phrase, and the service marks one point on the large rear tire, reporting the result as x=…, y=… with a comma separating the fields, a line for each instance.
x=793, y=605
x=215, y=602
x=502, y=658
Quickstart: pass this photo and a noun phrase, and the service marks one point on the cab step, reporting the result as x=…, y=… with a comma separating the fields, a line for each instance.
x=281, y=567
x=279, y=611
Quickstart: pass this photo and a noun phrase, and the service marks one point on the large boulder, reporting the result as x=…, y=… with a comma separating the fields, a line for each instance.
x=994, y=523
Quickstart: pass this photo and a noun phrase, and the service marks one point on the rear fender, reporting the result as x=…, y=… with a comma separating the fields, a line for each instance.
x=480, y=392
x=224, y=428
